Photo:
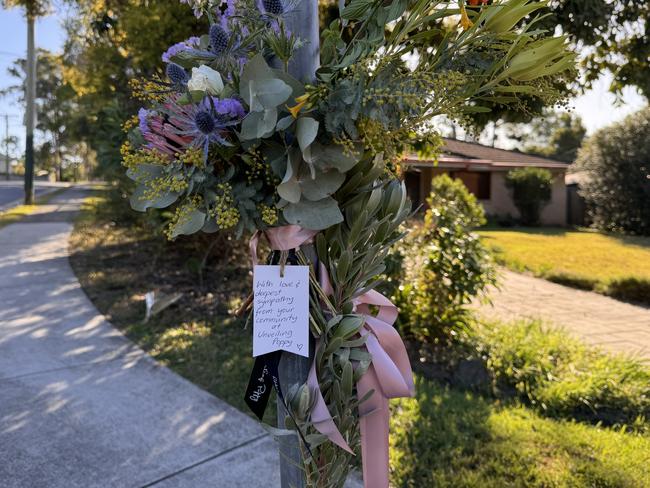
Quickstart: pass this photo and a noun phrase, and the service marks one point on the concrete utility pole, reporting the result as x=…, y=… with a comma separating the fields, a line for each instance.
x=30, y=95
x=303, y=22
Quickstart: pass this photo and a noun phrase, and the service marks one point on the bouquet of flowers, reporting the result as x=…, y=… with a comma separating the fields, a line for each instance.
x=238, y=135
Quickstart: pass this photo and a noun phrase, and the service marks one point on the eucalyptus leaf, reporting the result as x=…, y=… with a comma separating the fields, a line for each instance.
x=314, y=215
x=145, y=171
x=191, y=223
x=333, y=156
x=321, y=185
x=285, y=122
x=267, y=93
x=210, y=226
x=290, y=188
x=306, y=131
x=141, y=204
x=259, y=124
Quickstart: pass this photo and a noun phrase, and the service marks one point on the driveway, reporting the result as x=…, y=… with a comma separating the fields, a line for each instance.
x=613, y=325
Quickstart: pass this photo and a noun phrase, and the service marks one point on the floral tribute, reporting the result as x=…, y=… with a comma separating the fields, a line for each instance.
x=235, y=141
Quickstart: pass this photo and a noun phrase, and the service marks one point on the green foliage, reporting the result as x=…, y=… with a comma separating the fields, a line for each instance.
x=562, y=377
x=33, y=8
x=531, y=190
x=612, y=35
x=445, y=438
x=555, y=135
x=57, y=112
x=107, y=44
x=442, y=437
x=446, y=265
x=617, y=183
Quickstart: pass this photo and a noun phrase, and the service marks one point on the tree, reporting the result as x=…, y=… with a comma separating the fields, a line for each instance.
x=617, y=188
x=531, y=190
x=108, y=44
x=9, y=145
x=555, y=135
x=56, y=108
x=33, y=9
x=613, y=34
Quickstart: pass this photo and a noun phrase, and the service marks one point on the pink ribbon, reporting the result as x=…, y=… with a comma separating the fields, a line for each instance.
x=389, y=375
x=283, y=238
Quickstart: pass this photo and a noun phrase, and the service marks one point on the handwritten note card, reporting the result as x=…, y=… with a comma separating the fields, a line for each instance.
x=281, y=310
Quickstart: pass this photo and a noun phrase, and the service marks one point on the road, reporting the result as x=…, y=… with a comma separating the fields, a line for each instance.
x=12, y=191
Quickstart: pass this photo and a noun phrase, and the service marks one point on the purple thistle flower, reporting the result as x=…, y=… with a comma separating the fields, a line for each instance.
x=191, y=43
x=218, y=39
x=273, y=7
x=176, y=74
x=208, y=122
x=205, y=122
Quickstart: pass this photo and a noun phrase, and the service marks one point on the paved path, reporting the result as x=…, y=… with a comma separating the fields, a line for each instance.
x=600, y=320
x=81, y=406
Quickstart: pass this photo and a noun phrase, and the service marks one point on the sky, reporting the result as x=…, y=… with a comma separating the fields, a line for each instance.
x=596, y=107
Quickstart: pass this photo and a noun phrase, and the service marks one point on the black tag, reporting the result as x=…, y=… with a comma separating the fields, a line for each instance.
x=263, y=378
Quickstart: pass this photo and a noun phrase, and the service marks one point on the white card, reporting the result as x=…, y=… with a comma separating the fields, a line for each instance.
x=281, y=310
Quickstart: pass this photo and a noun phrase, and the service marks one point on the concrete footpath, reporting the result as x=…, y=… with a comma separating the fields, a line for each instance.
x=82, y=406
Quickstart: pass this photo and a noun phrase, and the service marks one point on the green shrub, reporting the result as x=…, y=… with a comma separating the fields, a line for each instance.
x=445, y=264
x=531, y=190
x=563, y=377
x=630, y=289
x=616, y=160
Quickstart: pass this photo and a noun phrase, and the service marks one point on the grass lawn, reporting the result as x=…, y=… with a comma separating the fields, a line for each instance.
x=447, y=438
x=16, y=213
x=614, y=265
x=442, y=437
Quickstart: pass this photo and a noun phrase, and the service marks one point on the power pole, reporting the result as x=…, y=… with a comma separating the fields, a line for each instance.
x=293, y=370
x=30, y=95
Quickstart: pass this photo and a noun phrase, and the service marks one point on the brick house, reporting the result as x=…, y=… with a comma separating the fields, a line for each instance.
x=483, y=170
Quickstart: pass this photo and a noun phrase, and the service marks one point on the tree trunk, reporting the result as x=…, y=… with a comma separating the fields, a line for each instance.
x=30, y=95
x=294, y=369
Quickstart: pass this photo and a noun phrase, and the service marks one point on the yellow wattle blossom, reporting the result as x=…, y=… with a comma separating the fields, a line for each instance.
x=224, y=211
x=269, y=214
x=192, y=157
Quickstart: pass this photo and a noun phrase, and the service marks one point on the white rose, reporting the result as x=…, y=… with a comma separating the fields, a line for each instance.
x=205, y=79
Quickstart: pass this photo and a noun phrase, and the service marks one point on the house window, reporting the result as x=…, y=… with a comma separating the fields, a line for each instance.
x=477, y=182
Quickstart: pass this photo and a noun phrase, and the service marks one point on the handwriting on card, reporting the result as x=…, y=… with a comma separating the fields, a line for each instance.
x=281, y=309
